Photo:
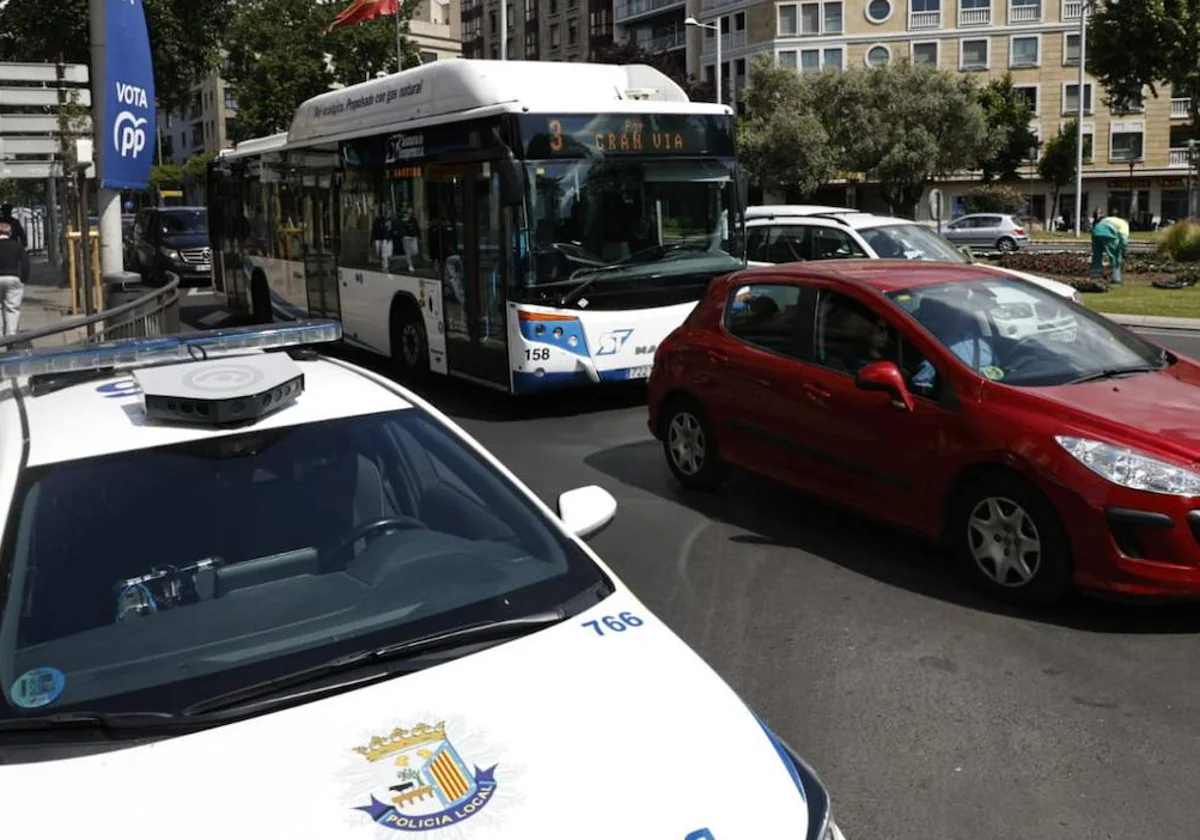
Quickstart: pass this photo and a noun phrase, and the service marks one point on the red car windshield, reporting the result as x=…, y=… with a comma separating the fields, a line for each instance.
x=1015, y=332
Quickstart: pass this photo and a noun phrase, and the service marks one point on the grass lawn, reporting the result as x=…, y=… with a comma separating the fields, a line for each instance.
x=1148, y=236
x=1140, y=298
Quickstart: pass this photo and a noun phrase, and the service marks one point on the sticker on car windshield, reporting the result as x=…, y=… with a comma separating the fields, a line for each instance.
x=420, y=781
x=992, y=372
x=37, y=688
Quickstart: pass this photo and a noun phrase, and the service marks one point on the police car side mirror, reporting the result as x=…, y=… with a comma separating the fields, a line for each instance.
x=586, y=511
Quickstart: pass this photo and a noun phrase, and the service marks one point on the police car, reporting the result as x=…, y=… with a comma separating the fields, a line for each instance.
x=250, y=591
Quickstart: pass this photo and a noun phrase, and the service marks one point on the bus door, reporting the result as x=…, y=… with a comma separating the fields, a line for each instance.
x=235, y=230
x=481, y=352
x=321, y=247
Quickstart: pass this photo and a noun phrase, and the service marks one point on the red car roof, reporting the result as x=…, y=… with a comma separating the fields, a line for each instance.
x=882, y=275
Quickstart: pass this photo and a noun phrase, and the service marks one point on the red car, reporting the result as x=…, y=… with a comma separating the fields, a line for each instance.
x=1049, y=446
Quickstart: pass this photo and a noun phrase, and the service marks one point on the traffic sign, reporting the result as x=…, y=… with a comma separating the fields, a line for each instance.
x=935, y=204
x=31, y=144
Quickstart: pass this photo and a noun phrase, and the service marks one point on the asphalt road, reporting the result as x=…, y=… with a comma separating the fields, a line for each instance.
x=930, y=712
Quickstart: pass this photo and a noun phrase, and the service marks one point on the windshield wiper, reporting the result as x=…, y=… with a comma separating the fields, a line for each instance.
x=106, y=721
x=591, y=274
x=1113, y=373
x=470, y=634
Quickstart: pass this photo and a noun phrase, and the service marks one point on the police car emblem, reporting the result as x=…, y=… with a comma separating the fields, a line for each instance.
x=424, y=784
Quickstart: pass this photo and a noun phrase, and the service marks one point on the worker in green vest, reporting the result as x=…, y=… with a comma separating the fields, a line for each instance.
x=1110, y=236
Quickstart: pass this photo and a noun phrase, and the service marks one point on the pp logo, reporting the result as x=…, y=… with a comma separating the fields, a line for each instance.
x=612, y=342
x=129, y=134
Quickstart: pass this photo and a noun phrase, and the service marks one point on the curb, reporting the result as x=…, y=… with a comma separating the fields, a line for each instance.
x=1158, y=322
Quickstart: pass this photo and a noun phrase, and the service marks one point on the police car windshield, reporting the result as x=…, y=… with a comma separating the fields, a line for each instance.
x=151, y=580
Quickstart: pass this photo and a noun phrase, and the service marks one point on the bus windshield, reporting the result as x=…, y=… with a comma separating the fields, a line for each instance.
x=630, y=224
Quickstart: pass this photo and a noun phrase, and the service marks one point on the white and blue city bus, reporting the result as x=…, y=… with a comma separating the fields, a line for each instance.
x=525, y=225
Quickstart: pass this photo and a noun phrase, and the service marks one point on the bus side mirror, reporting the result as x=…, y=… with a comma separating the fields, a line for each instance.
x=512, y=182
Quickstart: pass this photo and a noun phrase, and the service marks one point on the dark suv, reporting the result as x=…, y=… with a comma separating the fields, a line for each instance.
x=173, y=241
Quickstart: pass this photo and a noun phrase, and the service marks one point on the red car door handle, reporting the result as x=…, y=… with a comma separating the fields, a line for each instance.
x=717, y=356
x=816, y=391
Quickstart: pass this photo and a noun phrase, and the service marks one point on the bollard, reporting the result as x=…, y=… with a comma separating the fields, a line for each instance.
x=121, y=287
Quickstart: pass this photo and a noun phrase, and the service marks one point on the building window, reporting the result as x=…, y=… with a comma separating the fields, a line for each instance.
x=739, y=22
x=810, y=19
x=925, y=54
x=878, y=56
x=428, y=57
x=492, y=22
x=974, y=54
x=555, y=40
x=1030, y=94
x=787, y=20
x=787, y=59
x=1070, y=98
x=974, y=12
x=924, y=14
x=1026, y=51
x=879, y=11
x=739, y=67
x=1035, y=151
x=1128, y=106
x=1071, y=49
x=829, y=58
x=1125, y=142
x=198, y=134
x=572, y=32
x=1024, y=11
x=230, y=100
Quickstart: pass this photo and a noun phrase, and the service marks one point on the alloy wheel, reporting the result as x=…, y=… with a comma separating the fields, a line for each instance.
x=685, y=438
x=1004, y=541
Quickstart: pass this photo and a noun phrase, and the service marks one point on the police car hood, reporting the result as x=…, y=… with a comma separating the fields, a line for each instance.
x=581, y=730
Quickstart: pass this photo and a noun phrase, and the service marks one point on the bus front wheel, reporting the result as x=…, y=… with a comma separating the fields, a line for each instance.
x=410, y=344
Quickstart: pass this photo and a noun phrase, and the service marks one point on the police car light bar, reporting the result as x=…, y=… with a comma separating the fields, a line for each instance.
x=139, y=352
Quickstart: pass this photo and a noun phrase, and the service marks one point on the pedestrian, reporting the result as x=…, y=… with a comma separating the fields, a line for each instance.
x=14, y=274
x=1110, y=237
x=18, y=230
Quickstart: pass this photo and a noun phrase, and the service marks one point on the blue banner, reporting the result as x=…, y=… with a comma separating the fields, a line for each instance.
x=129, y=108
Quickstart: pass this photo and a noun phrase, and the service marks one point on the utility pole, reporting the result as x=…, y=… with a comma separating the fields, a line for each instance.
x=504, y=30
x=1083, y=15
x=108, y=202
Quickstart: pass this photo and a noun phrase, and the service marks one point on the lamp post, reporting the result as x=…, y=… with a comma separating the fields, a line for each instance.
x=1085, y=7
x=715, y=27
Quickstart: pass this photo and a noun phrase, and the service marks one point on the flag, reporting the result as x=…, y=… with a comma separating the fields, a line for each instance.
x=360, y=11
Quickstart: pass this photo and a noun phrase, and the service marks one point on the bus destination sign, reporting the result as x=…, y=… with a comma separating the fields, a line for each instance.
x=573, y=135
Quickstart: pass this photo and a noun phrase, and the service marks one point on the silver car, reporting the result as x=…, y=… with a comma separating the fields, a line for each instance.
x=987, y=232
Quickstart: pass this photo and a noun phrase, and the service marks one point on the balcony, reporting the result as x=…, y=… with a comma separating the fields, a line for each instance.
x=1071, y=9
x=1178, y=158
x=637, y=8
x=1179, y=109
x=975, y=17
x=925, y=20
x=729, y=41
x=1029, y=13
x=663, y=43
x=714, y=5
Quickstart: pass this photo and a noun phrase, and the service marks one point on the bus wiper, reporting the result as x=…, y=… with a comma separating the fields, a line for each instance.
x=469, y=634
x=106, y=721
x=592, y=274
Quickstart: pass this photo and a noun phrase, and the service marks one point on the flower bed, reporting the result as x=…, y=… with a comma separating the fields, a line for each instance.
x=1076, y=268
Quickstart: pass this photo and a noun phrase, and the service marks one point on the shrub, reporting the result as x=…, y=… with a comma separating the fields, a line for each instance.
x=1182, y=242
x=993, y=198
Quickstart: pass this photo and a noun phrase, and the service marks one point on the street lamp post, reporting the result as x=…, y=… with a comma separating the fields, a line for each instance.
x=1085, y=7
x=715, y=27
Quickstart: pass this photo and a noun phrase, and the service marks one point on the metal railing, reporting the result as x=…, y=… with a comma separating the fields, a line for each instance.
x=1179, y=109
x=925, y=20
x=1025, y=13
x=975, y=17
x=154, y=313
x=1178, y=158
x=632, y=8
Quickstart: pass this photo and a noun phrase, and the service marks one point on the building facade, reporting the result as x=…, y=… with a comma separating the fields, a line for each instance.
x=538, y=30
x=204, y=126
x=1135, y=153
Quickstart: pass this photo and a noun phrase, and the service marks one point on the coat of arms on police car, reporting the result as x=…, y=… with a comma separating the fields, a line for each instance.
x=421, y=782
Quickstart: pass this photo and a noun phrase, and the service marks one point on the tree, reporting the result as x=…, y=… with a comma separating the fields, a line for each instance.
x=1147, y=44
x=185, y=38
x=195, y=168
x=165, y=176
x=902, y=125
x=627, y=52
x=783, y=143
x=1008, y=115
x=1058, y=161
x=278, y=58
x=993, y=198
